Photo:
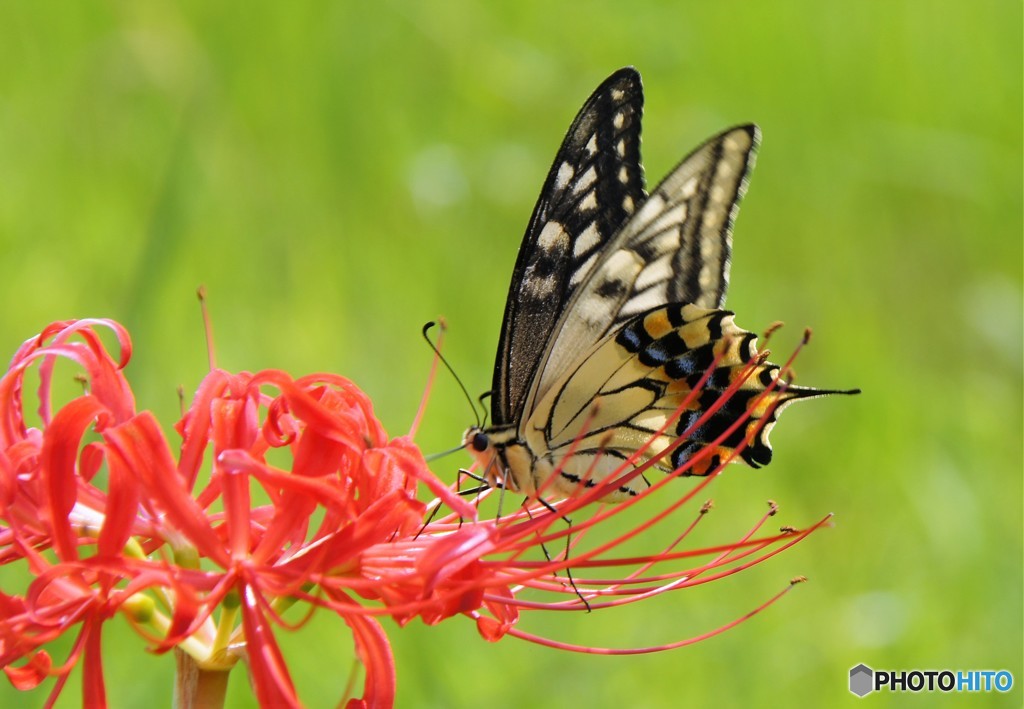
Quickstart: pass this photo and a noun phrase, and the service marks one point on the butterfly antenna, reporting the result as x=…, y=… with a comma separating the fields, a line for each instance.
x=437, y=352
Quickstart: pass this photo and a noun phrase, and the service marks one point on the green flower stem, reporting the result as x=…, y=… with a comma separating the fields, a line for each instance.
x=196, y=688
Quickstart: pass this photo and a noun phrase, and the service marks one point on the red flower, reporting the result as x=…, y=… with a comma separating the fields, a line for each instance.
x=108, y=518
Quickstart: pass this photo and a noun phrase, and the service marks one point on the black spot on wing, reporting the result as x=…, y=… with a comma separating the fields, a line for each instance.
x=633, y=336
x=685, y=453
x=714, y=324
x=675, y=314
x=686, y=420
x=692, y=364
x=545, y=265
x=663, y=350
x=748, y=347
x=612, y=289
x=718, y=380
x=757, y=453
x=647, y=251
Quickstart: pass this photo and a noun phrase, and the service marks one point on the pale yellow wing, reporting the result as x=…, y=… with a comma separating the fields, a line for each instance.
x=617, y=399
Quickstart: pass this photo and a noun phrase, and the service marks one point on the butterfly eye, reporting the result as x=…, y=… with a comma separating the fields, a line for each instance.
x=480, y=442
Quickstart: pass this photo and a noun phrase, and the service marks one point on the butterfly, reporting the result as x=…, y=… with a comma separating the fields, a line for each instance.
x=614, y=315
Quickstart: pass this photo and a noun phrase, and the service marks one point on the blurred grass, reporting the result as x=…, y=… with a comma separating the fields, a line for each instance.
x=336, y=174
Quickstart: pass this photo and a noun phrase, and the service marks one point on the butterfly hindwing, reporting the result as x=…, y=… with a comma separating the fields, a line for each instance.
x=595, y=183
x=633, y=392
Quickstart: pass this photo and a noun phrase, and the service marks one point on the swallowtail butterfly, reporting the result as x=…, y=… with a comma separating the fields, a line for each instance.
x=615, y=300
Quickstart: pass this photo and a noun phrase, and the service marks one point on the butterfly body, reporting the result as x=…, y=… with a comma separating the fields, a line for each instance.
x=613, y=316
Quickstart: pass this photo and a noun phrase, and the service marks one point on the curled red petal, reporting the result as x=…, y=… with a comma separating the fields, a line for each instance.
x=307, y=408
x=451, y=554
x=317, y=455
x=106, y=381
x=145, y=452
x=61, y=441
x=406, y=455
x=374, y=652
x=490, y=629
x=235, y=422
x=122, y=506
x=505, y=615
x=29, y=675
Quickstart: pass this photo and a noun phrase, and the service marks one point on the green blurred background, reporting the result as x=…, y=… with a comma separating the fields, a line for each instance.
x=337, y=174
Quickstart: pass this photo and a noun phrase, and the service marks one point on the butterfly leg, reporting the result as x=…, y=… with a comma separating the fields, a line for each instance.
x=481, y=487
x=568, y=539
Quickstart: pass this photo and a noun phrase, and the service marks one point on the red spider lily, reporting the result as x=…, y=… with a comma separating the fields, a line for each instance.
x=203, y=550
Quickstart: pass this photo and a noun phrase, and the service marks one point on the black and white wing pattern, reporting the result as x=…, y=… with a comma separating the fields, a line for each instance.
x=675, y=248
x=615, y=300
x=594, y=185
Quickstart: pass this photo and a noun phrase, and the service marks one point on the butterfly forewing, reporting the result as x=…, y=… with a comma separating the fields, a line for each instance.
x=674, y=249
x=683, y=234
x=595, y=183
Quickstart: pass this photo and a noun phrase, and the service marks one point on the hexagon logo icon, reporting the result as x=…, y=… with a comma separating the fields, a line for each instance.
x=861, y=680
